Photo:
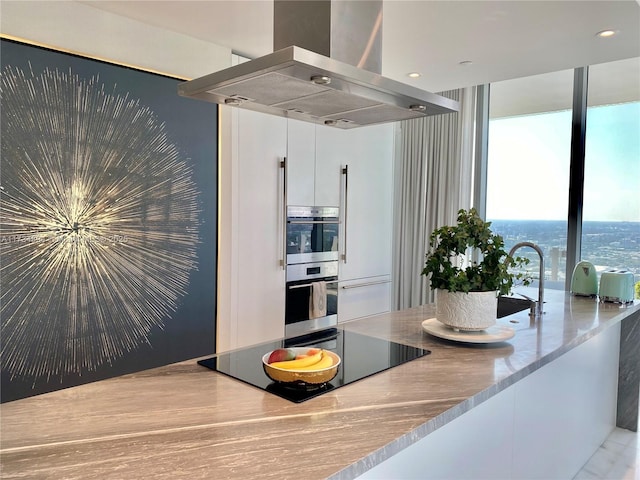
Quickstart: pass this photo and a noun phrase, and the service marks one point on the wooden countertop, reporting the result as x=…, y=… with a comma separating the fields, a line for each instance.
x=184, y=421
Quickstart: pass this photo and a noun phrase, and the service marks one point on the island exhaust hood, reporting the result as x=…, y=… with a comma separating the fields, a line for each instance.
x=312, y=73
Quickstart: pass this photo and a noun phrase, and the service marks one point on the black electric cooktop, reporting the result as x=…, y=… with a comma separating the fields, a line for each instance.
x=361, y=356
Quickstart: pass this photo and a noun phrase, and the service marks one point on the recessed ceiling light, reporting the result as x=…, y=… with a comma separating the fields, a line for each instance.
x=414, y=75
x=465, y=63
x=606, y=33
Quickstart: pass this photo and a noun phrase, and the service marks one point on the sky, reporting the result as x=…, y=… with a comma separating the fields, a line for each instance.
x=528, y=173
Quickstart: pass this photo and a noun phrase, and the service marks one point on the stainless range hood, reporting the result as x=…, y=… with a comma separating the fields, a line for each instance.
x=296, y=82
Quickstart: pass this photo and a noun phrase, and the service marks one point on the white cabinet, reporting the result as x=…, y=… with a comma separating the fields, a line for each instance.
x=251, y=280
x=367, y=209
x=365, y=197
x=368, y=203
x=363, y=297
x=314, y=158
x=332, y=153
x=301, y=163
x=251, y=284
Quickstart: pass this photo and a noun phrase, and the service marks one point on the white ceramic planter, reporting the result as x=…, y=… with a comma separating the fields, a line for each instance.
x=467, y=311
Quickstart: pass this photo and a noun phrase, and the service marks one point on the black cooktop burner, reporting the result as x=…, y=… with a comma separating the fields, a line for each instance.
x=361, y=355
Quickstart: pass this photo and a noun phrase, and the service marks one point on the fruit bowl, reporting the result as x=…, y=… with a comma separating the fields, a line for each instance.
x=302, y=376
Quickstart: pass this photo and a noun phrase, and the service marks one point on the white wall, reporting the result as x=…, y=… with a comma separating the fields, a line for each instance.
x=82, y=29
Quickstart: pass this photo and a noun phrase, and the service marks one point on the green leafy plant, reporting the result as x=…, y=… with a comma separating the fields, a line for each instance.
x=489, y=268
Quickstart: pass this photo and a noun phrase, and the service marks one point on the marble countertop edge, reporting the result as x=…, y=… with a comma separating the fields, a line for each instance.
x=248, y=421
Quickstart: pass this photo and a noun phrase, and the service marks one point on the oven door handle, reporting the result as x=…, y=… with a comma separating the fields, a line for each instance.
x=308, y=222
x=309, y=284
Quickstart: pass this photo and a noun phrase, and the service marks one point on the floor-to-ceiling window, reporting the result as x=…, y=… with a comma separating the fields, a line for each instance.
x=611, y=211
x=529, y=167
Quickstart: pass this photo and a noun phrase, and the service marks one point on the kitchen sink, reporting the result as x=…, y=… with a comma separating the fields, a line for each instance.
x=510, y=305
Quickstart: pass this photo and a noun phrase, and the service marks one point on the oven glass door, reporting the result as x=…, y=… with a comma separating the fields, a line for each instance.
x=301, y=308
x=312, y=235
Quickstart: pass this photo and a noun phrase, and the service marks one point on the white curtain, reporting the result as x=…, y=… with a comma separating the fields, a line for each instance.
x=433, y=180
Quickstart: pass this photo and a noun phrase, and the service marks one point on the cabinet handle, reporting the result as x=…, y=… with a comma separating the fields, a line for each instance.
x=366, y=284
x=283, y=167
x=345, y=172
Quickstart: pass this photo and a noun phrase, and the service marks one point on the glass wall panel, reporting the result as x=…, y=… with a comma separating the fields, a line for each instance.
x=528, y=167
x=611, y=209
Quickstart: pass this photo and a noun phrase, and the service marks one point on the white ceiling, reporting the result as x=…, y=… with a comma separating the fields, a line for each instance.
x=503, y=39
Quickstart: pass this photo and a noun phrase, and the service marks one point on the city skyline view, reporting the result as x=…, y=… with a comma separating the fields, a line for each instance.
x=607, y=245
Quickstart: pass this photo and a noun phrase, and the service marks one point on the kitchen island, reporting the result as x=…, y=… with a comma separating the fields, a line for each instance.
x=184, y=421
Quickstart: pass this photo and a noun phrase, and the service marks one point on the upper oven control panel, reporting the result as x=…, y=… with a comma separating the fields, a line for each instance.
x=312, y=212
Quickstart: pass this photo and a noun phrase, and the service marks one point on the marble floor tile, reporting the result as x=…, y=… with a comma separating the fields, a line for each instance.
x=623, y=437
x=618, y=458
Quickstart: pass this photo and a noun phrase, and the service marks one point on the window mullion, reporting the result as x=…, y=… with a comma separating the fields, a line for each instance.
x=576, y=171
x=481, y=150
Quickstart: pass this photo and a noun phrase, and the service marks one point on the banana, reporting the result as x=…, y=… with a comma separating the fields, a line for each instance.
x=326, y=362
x=299, y=363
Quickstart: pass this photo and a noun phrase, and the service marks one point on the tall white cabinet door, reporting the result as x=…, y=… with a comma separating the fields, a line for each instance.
x=332, y=151
x=301, y=156
x=368, y=203
x=251, y=305
x=365, y=266
x=261, y=282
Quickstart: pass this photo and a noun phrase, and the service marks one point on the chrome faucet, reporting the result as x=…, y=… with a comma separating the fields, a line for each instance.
x=537, y=307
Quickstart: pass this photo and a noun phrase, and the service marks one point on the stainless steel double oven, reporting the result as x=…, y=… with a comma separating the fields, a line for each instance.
x=312, y=269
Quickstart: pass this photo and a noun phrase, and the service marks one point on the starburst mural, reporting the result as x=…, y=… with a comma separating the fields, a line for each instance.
x=99, y=222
